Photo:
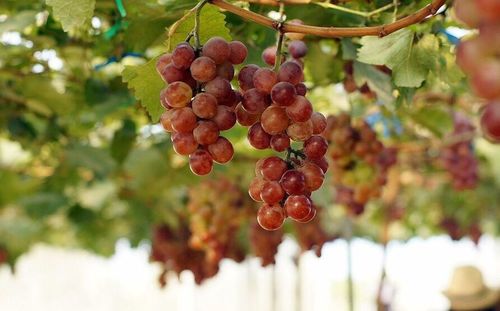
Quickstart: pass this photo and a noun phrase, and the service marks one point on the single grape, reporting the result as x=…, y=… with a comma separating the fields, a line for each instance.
x=245, y=77
x=293, y=182
x=272, y=192
x=254, y=101
x=490, y=121
x=222, y=150
x=238, y=52
x=183, y=56
x=297, y=49
x=486, y=79
x=298, y=206
x=225, y=118
x=470, y=53
x=269, y=55
x=183, y=120
x=219, y=87
x=315, y=147
x=301, y=89
x=201, y=162
x=273, y=168
x=280, y=142
x=300, y=110
x=283, y=93
x=206, y=133
x=203, y=69
x=255, y=188
x=271, y=217
x=244, y=117
x=310, y=216
x=166, y=121
x=184, y=143
x=322, y=163
x=319, y=123
x=489, y=10
x=300, y=131
x=274, y=120
x=217, y=49
x=258, y=138
x=264, y=79
x=204, y=105
x=468, y=12
x=178, y=94
x=172, y=74
x=226, y=71
x=162, y=62
x=313, y=174
x=290, y=72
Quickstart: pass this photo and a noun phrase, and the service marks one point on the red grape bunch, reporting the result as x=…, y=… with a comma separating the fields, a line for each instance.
x=312, y=236
x=265, y=243
x=199, y=100
x=479, y=58
x=360, y=161
x=217, y=209
x=459, y=158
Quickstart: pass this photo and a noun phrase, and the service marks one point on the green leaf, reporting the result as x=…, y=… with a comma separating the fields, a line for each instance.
x=410, y=62
x=348, y=49
x=123, y=140
x=212, y=24
x=43, y=204
x=435, y=119
x=147, y=85
x=72, y=14
x=95, y=159
x=18, y=22
x=376, y=79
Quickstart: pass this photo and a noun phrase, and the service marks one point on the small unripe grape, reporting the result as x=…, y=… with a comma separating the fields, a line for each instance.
x=217, y=49
x=183, y=56
x=203, y=69
x=238, y=52
x=200, y=162
x=222, y=150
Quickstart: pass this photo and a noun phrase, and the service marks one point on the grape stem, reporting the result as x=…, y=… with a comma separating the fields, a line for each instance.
x=196, y=29
x=334, y=32
x=296, y=153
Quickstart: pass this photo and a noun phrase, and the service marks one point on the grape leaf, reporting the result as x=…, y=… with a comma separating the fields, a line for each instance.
x=376, y=79
x=123, y=140
x=435, y=119
x=410, y=62
x=147, y=85
x=72, y=14
x=212, y=24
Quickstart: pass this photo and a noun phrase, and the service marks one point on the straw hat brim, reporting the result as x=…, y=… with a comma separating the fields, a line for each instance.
x=486, y=299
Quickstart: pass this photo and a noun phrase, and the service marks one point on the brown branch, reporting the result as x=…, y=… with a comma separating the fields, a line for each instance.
x=334, y=32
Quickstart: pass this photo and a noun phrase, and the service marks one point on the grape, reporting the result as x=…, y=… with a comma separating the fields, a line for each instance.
x=264, y=79
x=313, y=175
x=300, y=131
x=258, y=167
x=309, y=217
x=200, y=162
x=468, y=12
x=204, y=105
x=225, y=118
x=245, y=77
x=222, y=150
x=300, y=110
x=293, y=182
x=290, y=72
x=206, y=133
x=254, y=101
x=171, y=74
x=178, y=94
x=203, y=69
x=273, y=168
x=298, y=206
x=489, y=10
x=219, y=87
x=297, y=49
x=226, y=71
x=280, y=142
x=162, y=62
x=271, y=217
x=238, y=52
x=269, y=55
x=349, y=84
x=272, y=192
x=231, y=101
x=319, y=123
x=295, y=35
x=469, y=53
x=184, y=143
x=490, y=121
x=315, y=147
x=274, y=120
x=183, y=120
x=217, y=49
x=258, y=138
x=244, y=117
x=166, y=122
x=183, y=56
x=283, y=94
x=255, y=189
x=486, y=79
x=301, y=89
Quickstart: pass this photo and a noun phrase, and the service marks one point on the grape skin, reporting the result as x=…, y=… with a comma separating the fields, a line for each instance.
x=280, y=142
x=283, y=93
x=200, y=162
x=238, y=52
x=203, y=69
x=272, y=192
x=271, y=217
x=298, y=206
x=293, y=182
x=225, y=118
x=222, y=150
x=258, y=138
x=274, y=120
x=184, y=143
x=273, y=168
x=178, y=94
x=245, y=77
x=264, y=79
x=490, y=121
x=183, y=120
x=206, y=133
x=204, y=105
x=217, y=49
x=300, y=110
x=183, y=56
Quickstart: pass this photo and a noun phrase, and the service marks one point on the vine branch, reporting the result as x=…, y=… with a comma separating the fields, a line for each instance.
x=333, y=32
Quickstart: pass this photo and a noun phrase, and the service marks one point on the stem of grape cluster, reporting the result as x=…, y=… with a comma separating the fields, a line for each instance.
x=279, y=48
x=196, y=30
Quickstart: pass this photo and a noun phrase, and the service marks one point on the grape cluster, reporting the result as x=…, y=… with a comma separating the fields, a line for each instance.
x=264, y=243
x=459, y=158
x=199, y=100
x=359, y=161
x=456, y=231
x=479, y=57
x=312, y=236
x=217, y=209
x=275, y=108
